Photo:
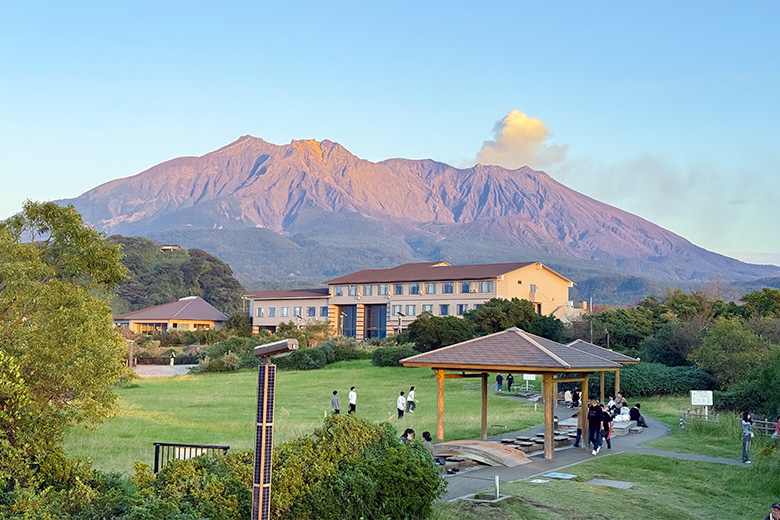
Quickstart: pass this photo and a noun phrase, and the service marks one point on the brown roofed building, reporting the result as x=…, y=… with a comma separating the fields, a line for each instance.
x=303, y=306
x=189, y=313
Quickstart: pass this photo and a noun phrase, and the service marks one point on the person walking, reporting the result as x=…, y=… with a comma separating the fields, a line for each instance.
x=509, y=380
x=499, y=382
x=400, y=404
x=747, y=436
x=575, y=399
x=352, y=400
x=410, y=403
x=335, y=403
x=606, y=426
x=594, y=426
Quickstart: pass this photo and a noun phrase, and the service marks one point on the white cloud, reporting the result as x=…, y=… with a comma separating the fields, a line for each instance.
x=520, y=141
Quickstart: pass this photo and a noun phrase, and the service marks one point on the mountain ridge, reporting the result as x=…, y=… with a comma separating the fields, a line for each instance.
x=317, y=192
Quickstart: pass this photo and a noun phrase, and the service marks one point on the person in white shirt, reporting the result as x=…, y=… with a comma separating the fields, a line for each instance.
x=611, y=403
x=400, y=403
x=352, y=400
x=410, y=404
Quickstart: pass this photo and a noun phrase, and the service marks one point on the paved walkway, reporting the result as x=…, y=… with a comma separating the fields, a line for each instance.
x=162, y=370
x=471, y=480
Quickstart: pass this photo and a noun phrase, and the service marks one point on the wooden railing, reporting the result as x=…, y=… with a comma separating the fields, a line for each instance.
x=165, y=452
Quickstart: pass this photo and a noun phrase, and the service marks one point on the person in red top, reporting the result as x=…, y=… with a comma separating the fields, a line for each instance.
x=777, y=428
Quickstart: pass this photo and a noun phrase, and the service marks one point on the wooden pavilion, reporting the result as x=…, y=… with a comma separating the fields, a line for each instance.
x=514, y=351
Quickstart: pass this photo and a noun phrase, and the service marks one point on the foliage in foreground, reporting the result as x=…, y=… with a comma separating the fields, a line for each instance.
x=350, y=468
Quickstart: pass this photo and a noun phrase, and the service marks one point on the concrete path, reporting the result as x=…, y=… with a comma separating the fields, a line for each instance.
x=162, y=370
x=471, y=480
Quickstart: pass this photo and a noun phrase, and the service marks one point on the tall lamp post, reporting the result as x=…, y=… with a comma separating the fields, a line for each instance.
x=264, y=431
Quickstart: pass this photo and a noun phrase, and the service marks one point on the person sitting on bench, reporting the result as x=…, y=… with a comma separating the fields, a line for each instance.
x=636, y=416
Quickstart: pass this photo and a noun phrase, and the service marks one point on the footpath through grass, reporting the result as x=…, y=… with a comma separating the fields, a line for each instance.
x=220, y=409
x=665, y=488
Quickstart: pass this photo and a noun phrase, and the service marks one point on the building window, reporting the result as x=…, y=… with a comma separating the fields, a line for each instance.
x=533, y=288
x=259, y=312
x=368, y=290
x=414, y=288
x=272, y=312
x=285, y=312
x=381, y=290
x=485, y=286
x=477, y=306
x=396, y=309
x=462, y=308
x=465, y=287
x=444, y=310
x=297, y=312
x=311, y=312
x=324, y=311
x=338, y=291
x=447, y=288
x=352, y=290
x=428, y=308
x=430, y=288
x=411, y=310
x=398, y=289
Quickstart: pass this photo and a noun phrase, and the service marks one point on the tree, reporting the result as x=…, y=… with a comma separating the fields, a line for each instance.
x=238, y=324
x=57, y=337
x=433, y=332
x=730, y=351
x=763, y=303
x=671, y=344
x=498, y=314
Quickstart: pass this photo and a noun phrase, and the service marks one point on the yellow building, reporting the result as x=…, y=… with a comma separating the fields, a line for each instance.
x=375, y=302
x=189, y=313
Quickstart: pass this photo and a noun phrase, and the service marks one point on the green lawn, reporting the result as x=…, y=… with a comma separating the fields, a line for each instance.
x=665, y=488
x=716, y=438
x=220, y=409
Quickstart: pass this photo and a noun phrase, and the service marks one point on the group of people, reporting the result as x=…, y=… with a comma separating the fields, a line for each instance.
x=510, y=379
x=600, y=422
x=405, y=404
x=335, y=402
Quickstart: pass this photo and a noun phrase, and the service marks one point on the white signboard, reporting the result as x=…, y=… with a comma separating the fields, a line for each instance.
x=529, y=377
x=701, y=397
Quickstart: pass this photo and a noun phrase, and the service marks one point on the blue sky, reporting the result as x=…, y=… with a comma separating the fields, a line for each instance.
x=668, y=110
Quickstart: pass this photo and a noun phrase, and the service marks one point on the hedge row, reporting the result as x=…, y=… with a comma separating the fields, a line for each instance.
x=648, y=379
x=391, y=356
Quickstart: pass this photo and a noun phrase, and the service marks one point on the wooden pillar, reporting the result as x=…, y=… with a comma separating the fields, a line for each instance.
x=484, y=405
x=549, y=407
x=584, y=414
x=601, y=389
x=617, y=381
x=440, y=407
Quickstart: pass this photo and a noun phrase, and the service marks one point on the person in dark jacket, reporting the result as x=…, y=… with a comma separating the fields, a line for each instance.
x=594, y=426
x=606, y=426
x=509, y=380
x=634, y=415
x=499, y=382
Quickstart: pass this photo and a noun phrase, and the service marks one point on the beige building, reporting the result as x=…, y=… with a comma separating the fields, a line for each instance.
x=189, y=313
x=375, y=302
x=301, y=306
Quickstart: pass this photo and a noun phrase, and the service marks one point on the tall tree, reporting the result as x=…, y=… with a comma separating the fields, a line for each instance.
x=58, y=345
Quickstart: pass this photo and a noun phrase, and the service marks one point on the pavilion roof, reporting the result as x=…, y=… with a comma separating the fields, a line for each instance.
x=512, y=350
x=605, y=353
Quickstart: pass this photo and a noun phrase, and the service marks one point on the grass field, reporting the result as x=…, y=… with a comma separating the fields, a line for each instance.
x=665, y=488
x=220, y=409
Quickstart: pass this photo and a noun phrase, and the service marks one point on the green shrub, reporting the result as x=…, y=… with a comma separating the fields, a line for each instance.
x=347, y=349
x=648, y=379
x=390, y=356
x=353, y=461
x=303, y=359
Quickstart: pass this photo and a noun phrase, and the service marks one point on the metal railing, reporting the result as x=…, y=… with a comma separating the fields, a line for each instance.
x=165, y=452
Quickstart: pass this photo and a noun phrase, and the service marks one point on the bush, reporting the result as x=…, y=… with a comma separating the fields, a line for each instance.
x=390, y=356
x=648, y=379
x=351, y=460
x=303, y=359
x=228, y=355
x=347, y=349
